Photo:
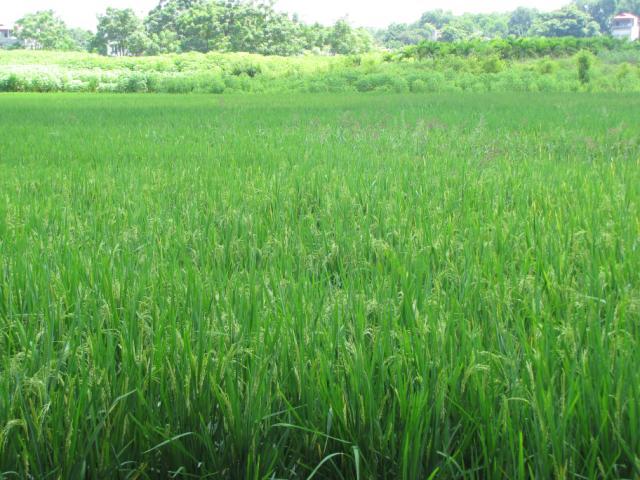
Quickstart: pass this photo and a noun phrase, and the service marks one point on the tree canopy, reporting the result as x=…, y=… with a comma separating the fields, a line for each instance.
x=43, y=30
x=226, y=26
x=255, y=26
x=569, y=21
x=120, y=32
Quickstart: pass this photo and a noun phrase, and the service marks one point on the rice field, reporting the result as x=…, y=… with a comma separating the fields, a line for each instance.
x=320, y=286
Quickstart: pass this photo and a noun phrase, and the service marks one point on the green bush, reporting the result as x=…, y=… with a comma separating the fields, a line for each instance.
x=337, y=83
x=246, y=68
x=518, y=48
x=418, y=86
x=209, y=83
x=547, y=67
x=108, y=88
x=584, y=67
x=493, y=64
x=134, y=83
x=481, y=68
x=14, y=83
x=376, y=81
x=92, y=84
x=399, y=85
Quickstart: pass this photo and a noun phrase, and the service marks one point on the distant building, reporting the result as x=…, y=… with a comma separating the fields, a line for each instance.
x=626, y=26
x=7, y=37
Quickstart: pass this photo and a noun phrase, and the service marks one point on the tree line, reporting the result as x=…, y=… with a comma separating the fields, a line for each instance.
x=176, y=26
x=254, y=26
x=513, y=48
x=580, y=19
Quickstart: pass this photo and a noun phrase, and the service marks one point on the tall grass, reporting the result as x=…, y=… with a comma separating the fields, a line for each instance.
x=482, y=71
x=319, y=286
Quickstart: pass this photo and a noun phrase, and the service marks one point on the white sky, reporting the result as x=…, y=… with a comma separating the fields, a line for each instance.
x=371, y=13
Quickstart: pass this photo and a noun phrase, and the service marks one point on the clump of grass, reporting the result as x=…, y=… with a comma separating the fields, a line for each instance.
x=585, y=60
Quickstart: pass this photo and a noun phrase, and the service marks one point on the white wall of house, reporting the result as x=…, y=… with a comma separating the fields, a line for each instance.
x=6, y=36
x=626, y=26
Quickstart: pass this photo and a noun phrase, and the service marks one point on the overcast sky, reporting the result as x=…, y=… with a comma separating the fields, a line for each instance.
x=371, y=13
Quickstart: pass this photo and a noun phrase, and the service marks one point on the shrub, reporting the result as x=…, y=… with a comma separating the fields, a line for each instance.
x=624, y=70
x=134, y=83
x=399, y=85
x=316, y=87
x=584, y=67
x=43, y=84
x=92, y=84
x=76, y=86
x=474, y=69
x=246, y=68
x=418, y=86
x=375, y=81
x=208, y=83
x=547, y=67
x=493, y=64
x=13, y=83
x=353, y=61
x=108, y=87
x=337, y=83
x=365, y=85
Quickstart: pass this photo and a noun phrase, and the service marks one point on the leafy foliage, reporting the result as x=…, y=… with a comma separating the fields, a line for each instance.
x=254, y=26
x=584, y=67
x=45, y=31
x=566, y=22
x=120, y=32
x=518, y=48
x=241, y=26
x=516, y=65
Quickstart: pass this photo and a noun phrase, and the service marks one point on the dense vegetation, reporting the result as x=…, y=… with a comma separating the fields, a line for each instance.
x=195, y=25
x=319, y=286
x=521, y=48
x=551, y=65
x=254, y=26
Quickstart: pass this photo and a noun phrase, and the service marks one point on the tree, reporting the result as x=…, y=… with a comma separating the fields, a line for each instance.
x=400, y=35
x=282, y=36
x=461, y=28
x=44, y=31
x=490, y=25
x=364, y=41
x=454, y=33
x=566, y=22
x=601, y=10
x=199, y=28
x=437, y=18
x=226, y=25
x=344, y=40
x=314, y=37
x=165, y=15
x=521, y=20
x=81, y=38
x=341, y=38
x=631, y=6
x=163, y=42
x=120, y=32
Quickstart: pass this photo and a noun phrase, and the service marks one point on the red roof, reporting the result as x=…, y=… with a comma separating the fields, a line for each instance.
x=625, y=15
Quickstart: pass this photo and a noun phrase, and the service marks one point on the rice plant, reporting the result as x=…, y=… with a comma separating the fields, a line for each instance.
x=345, y=287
